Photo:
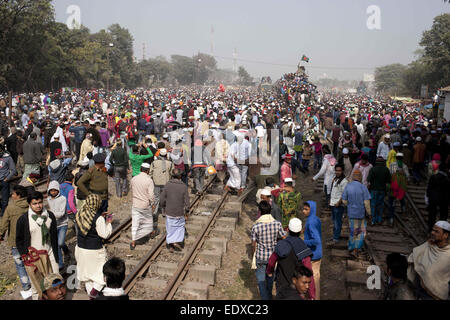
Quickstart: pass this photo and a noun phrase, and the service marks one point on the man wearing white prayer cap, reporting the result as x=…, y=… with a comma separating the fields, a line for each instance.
x=143, y=206
x=429, y=268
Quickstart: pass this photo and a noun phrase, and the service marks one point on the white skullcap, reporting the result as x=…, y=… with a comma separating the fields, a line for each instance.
x=345, y=151
x=266, y=192
x=295, y=225
x=418, y=139
x=163, y=152
x=145, y=165
x=443, y=225
x=288, y=180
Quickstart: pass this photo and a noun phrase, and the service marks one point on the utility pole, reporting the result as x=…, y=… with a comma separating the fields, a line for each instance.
x=212, y=39
x=234, y=60
x=143, y=51
x=109, y=52
x=197, y=68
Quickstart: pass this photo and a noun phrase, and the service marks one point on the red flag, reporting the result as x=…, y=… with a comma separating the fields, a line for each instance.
x=222, y=88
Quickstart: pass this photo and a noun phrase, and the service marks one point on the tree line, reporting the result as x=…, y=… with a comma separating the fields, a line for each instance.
x=38, y=53
x=432, y=67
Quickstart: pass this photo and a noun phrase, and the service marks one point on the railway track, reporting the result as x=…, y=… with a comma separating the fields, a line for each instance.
x=409, y=230
x=154, y=273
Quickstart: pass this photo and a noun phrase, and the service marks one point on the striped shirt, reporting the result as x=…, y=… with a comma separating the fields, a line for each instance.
x=266, y=235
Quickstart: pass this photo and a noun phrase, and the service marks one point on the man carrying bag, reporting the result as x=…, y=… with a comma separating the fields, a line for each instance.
x=38, y=266
x=37, y=229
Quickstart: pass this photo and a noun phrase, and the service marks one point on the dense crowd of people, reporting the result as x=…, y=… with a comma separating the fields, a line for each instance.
x=161, y=138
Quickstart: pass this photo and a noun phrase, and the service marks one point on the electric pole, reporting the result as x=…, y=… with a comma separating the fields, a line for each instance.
x=212, y=39
x=234, y=60
x=143, y=51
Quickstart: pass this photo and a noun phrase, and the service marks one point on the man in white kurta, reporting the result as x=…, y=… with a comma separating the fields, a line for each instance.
x=36, y=242
x=143, y=205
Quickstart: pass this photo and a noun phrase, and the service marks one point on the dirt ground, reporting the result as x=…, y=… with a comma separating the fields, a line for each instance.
x=235, y=280
x=10, y=286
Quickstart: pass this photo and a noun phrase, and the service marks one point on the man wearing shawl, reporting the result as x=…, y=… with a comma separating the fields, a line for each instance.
x=429, y=265
x=93, y=226
x=37, y=229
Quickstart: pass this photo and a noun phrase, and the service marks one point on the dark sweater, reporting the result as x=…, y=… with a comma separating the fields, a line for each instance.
x=437, y=189
x=175, y=198
x=119, y=157
x=23, y=236
x=33, y=152
x=378, y=177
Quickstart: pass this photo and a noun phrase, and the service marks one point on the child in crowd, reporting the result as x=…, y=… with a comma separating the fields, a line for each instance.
x=114, y=272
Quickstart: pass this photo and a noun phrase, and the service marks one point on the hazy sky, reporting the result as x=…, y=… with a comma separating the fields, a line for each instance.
x=332, y=33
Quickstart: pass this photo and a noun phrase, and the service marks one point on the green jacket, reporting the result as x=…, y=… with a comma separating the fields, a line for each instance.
x=137, y=160
x=15, y=209
x=119, y=157
x=94, y=181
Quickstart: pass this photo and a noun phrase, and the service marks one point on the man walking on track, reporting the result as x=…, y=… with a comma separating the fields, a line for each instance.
x=143, y=206
x=357, y=199
x=175, y=203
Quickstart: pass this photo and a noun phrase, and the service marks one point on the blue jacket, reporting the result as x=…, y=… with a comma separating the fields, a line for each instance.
x=64, y=190
x=79, y=133
x=313, y=233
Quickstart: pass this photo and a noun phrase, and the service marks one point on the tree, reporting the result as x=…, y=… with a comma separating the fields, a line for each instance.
x=244, y=77
x=205, y=65
x=183, y=69
x=23, y=32
x=436, y=44
x=389, y=79
x=153, y=71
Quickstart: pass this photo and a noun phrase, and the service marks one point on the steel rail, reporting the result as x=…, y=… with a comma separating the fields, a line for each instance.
x=182, y=270
x=416, y=211
x=127, y=222
x=178, y=277
x=144, y=263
